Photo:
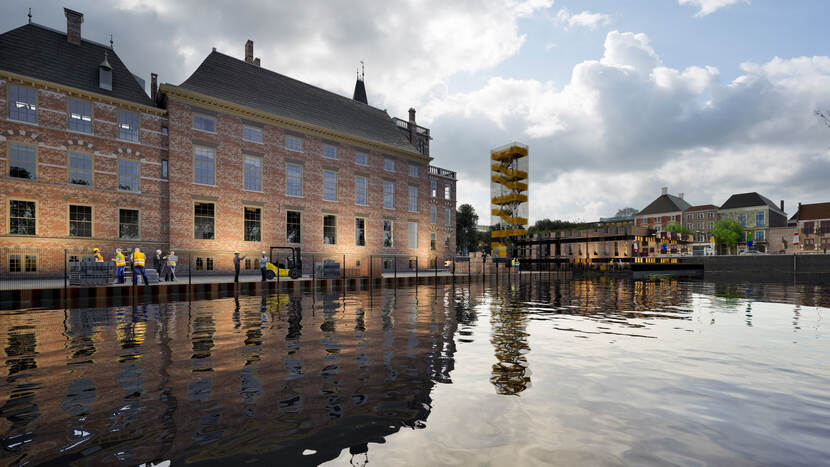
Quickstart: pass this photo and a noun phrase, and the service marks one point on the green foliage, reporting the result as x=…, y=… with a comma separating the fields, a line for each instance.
x=676, y=227
x=626, y=212
x=466, y=233
x=547, y=225
x=728, y=232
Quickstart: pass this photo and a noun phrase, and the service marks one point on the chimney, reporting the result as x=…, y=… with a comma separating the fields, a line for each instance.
x=664, y=190
x=782, y=205
x=249, y=51
x=256, y=61
x=73, y=26
x=680, y=195
x=412, y=126
x=154, y=86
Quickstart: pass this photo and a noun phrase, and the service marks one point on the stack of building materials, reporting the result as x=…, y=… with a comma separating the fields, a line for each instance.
x=90, y=272
x=328, y=269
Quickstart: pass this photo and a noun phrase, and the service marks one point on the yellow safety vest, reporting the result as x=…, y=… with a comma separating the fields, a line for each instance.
x=171, y=263
x=99, y=258
x=120, y=260
x=138, y=259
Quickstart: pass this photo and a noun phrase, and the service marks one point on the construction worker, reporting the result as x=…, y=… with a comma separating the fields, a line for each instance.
x=120, y=264
x=97, y=254
x=138, y=259
x=263, y=265
x=236, y=262
x=171, y=266
x=158, y=264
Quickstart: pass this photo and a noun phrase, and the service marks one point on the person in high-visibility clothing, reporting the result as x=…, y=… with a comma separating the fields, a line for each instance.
x=138, y=266
x=170, y=271
x=120, y=264
x=97, y=254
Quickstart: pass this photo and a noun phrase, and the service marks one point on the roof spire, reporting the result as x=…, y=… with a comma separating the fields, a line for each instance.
x=110, y=40
x=359, y=87
x=30, y=15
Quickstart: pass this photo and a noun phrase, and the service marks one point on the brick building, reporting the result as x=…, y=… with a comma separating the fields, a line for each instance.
x=813, y=222
x=756, y=214
x=82, y=149
x=664, y=210
x=236, y=157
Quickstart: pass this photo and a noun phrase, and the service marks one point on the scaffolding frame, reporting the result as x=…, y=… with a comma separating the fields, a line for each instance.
x=509, y=204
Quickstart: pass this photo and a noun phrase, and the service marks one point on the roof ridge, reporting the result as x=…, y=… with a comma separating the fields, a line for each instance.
x=48, y=28
x=347, y=99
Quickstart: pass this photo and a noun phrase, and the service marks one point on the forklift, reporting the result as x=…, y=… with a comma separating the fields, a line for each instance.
x=294, y=268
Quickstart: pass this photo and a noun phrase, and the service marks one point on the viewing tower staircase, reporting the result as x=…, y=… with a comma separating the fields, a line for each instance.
x=508, y=197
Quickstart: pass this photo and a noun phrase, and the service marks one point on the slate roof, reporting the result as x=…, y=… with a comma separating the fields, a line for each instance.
x=228, y=78
x=808, y=212
x=749, y=200
x=44, y=53
x=665, y=203
x=702, y=207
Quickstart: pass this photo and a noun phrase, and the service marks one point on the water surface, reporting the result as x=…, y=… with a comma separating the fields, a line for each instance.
x=533, y=373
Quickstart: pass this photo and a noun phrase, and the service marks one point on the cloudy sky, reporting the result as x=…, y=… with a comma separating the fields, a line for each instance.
x=615, y=98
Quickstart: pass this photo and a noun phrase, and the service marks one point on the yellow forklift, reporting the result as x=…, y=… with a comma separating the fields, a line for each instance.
x=293, y=266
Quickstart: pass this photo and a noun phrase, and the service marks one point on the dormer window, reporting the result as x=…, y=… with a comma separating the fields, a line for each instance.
x=105, y=74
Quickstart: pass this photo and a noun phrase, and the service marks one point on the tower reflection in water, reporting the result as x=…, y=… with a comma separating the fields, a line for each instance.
x=244, y=378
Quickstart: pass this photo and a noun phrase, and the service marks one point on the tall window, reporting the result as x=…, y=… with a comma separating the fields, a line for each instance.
x=387, y=234
x=204, y=123
x=128, y=125
x=253, y=173
x=330, y=151
x=447, y=191
x=759, y=235
x=433, y=214
x=330, y=229
x=446, y=240
x=80, y=221
x=742, y=219
x=359, y=231
x=388, y=164
x=128, y=224
x=22, y=161
x=164, y=169
x=432, y=240
x=389, y=195
x=252, y=134
x=203, y=216
x=759, y=218
x=293, y=180
x=292, y=227
x=28, y=263
x=80, y=115
x=204, y=162
x=22, y=104
x=127, y=175
x=329, y=185
x=413, y=235
x=433, y=188
x=448, y=217
x=253, y=224
x=294, y=143
x=80, y=168
x=22, y=217
x=361, y=158
x=413, y=199
x=413, y=170
x=360, y=191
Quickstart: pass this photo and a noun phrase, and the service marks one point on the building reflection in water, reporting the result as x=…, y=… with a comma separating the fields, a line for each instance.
x=224, y=380
x=508, y=322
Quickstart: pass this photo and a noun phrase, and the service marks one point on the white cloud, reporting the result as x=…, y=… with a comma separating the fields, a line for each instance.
x=585, y=19
x=709, y=6
x=626, y=124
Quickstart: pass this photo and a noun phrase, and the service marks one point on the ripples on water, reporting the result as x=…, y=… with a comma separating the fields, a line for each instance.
x=579, y=372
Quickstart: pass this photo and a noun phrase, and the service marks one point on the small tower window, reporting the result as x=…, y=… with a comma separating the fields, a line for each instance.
x=105, y=74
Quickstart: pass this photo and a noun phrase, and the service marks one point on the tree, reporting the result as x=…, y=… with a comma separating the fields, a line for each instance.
x=728, y=232
x=547, y=225
x=626, y=212
x=466, y=228
x=676, y=227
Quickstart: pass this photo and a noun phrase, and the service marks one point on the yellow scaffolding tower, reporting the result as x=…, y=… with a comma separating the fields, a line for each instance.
x=508, y=196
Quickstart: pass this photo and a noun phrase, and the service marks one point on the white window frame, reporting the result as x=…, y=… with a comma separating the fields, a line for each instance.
x=137, y=165
x=448, y=217
x=388, y=164
x=413, y=170
x=388, y=195
x=245, y=171
x=357, y=158
x=22, y=107
x=209, y=157
x=288, y=177
x=79, y=120
x=361, y=191
x=71, y=169
x=294, y=143
x=433, y=188
x=14, y=149
x=413, y=199
x=255, y=130
x=203, y=120
x=329, y=151
x=329, y=191
x=129, y=130
x=447, y=191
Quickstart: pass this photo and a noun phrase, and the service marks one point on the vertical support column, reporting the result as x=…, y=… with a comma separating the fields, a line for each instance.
x=65, y=277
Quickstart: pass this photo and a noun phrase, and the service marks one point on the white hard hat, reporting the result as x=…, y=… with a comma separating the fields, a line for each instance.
x=263, y=252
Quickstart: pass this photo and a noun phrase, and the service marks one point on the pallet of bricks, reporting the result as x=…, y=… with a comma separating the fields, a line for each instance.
x=90, y=272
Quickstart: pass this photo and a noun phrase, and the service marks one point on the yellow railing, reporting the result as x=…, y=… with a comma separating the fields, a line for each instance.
x=511, y=198
x=508, y=219
x=507, y=233
x=515, y=174
x=512, y=152
x=513, y=185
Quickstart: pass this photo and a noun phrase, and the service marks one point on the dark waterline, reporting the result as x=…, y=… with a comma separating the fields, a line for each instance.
x=574, y=372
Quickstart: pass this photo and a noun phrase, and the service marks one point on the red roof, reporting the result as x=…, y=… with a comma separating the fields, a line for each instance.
x=814, y=211
x=702, y=207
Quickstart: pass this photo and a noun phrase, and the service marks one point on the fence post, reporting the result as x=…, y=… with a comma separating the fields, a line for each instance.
x=370, y=271
x=344, y=270
x=313, y=273
x=436, y=270
x=65, y=277
x=416, y=270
